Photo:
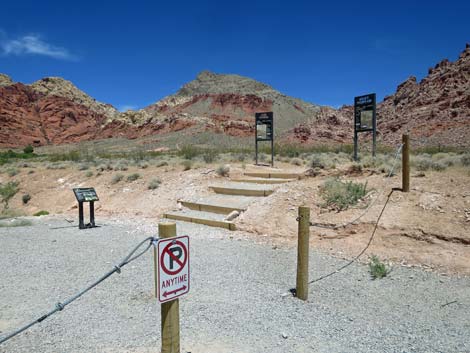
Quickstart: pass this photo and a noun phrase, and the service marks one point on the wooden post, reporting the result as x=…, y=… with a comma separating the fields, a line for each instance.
x=155, y=269
x=405, y=164
x=170, y=310
x=302, y=253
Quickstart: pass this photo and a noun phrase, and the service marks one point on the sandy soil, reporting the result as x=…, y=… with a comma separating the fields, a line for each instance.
x=428, y=227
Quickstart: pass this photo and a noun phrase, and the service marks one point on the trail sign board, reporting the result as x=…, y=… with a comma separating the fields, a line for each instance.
x=365, y=119
x=264, y=131
x=86, y=195
x=173, y=268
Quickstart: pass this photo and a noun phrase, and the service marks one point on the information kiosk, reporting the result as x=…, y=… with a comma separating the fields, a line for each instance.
x=86, y=195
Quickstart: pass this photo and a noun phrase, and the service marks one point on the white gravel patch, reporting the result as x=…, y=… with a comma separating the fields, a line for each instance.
x=236, y=302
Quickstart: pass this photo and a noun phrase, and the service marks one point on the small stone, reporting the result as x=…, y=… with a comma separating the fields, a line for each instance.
x=284, y=336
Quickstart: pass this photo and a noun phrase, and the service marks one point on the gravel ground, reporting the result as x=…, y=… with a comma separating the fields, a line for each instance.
x=236, y=303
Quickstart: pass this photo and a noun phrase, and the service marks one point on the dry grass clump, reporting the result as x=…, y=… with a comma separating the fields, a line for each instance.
x=187, y=164
x=223, y=170
x=297, y=161
x=154, y=184
x=133, y=177
x=117, y=178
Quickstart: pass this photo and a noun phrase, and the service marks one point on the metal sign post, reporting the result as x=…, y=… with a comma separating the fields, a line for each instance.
x=264, y=132
x=86, y=195
x=365, y=119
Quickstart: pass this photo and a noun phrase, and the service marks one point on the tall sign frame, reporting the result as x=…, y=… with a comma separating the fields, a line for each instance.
x=264, y=131
x=365, y=119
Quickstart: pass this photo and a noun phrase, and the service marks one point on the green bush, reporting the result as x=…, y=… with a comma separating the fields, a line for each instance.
x=340, y=195
x=117, y=178
x=7, y=191
x=377, y=269
x=41, y=213
x=28, y=149
x=89, y=174
x=154, y=184
x=25, y=198
x=133, y=177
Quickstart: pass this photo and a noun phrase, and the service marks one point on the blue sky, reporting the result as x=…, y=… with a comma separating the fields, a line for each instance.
x=132, y=53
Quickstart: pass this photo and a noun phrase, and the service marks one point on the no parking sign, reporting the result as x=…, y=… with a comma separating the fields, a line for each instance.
x=173, y=268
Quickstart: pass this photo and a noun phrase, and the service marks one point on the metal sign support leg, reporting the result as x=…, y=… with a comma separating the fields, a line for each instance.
x=81, y=223
x=355, y=145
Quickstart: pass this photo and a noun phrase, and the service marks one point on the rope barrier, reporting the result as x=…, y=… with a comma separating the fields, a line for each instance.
x=338, y=226
x=60, y=306
x=363, y=250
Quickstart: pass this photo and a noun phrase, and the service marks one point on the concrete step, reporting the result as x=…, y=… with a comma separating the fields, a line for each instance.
x=277, y=175
x=246, y=189
x=262, y=180
x=201, y=217
x=222, y=204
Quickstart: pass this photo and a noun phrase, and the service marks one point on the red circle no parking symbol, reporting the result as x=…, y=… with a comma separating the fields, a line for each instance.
x=177, y=256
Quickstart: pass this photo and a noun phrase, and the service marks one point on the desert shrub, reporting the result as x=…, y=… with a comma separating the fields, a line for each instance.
x=12, y=172
x=143, y=165
x=121, y=166
x=355, y=168
x=340, y=195
x=30, y=171
x=465, y=160
x=25, y=165
x=161, y=164
x=210, y=156
x=7, y=191
x=154, y=184
x=223, y=170
x=263, y=157
x=241, y=157
x=117, y=178
x=55, y=166
x=28, y=149
x=187, y=165
x=296, y=161
x=438, y=166
x=89, y=174
x=83, y=166
x=377, y=268
x=317, y=162
x=25, y=198
x=133, y=177
x=41, y=213
x=189, y=151
x=422, y=163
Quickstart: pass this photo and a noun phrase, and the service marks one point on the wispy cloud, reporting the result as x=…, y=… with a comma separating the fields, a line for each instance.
x=33, y=44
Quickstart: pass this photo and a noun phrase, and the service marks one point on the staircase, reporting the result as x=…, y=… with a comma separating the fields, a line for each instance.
x=217, y=210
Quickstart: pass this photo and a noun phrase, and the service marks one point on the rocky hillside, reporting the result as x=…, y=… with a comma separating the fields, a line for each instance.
x=434, y=111
x=225, y=104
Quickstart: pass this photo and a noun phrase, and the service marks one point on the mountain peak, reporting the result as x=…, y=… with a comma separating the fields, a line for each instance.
x=5, y=80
